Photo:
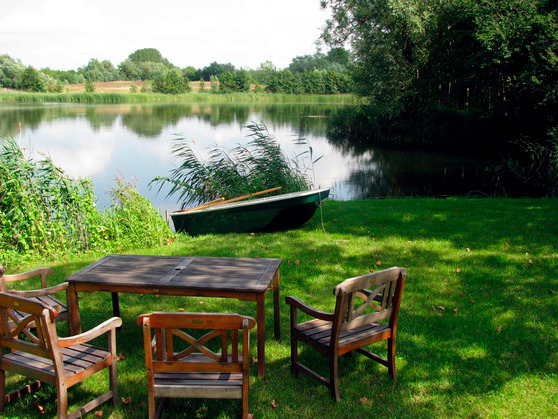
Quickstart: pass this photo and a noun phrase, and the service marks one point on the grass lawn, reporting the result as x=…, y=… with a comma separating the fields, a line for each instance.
x=478, y=330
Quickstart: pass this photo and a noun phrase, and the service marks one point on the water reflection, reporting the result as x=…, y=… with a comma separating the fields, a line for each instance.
x=103, y=141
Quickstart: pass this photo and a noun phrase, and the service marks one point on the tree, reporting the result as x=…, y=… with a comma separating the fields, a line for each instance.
x=216, y=69
x=31, y=80
x=172, y=82
x=148, y=55
x=226, y=83
x=494, y=57
x=89, y=86
x=11, y=72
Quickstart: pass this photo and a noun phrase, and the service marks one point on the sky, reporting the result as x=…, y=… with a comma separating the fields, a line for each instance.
x=66, y=34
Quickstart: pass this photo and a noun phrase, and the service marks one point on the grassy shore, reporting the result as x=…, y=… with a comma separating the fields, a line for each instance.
x=119, y=92
x=478, y=331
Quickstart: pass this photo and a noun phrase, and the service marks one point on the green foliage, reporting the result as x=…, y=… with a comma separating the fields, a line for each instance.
x=214, y=84
x=31, y=81
x=324, y=82
x=250, y=168
x=337, y=59
x=172, y=82
x=89, y=86
x=11, y=72
x=133, y=88
x=216, y=69
x=495, y=57
x=43, y=212
x=99, y=71
x=151, y=55
x=133, y=220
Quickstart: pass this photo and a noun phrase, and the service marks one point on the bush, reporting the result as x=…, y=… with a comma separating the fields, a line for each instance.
x=43, y=212
x=172, y=82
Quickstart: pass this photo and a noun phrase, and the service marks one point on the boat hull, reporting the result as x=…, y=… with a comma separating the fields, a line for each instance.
x=281, y=212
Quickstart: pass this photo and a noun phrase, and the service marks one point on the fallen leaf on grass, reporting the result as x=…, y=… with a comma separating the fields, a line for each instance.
x=180, y=309
x=530, y=260
x=458, y=270
x=379, y=263
x=40, y=408
x=499, y=328
x=506, y=243
x=200, y=303
x=99, y=413
x=455, y=309
x=468, y=250
x=297, y=262
x=273, y=404
x=126, y=400
x=442, y=308
x=410, y=308
x=254, y=360
x=472, y=301
x=363, y=400
x=122, y=356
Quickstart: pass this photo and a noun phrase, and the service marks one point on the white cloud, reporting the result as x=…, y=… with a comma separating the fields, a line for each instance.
x=65, y=34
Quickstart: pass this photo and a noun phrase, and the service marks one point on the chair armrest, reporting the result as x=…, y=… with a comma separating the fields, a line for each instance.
x=42, y=292
x=84, y=337
x=322, y=315
x=27, y=275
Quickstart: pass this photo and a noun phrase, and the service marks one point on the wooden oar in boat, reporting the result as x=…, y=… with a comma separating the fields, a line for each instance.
x=220, y=201
x=202, y=206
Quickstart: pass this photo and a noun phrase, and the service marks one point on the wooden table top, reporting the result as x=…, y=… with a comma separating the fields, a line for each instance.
x=207, y=273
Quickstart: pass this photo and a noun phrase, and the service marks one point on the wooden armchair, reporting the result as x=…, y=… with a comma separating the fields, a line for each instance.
x=44, y=295
x=197, y=371
x=43, y=356
x=348, y=328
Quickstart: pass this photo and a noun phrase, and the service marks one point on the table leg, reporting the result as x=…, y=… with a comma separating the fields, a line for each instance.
x=261, y=334
x=276, y=316
x=116, y=307
x=74, y=320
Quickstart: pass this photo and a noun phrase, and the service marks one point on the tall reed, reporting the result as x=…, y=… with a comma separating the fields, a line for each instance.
x=249, y=168
x=43, y=212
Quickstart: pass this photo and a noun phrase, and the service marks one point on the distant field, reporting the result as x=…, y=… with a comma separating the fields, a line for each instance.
x=121, y=86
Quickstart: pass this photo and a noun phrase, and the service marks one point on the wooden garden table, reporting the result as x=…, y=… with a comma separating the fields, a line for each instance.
x=246, y=279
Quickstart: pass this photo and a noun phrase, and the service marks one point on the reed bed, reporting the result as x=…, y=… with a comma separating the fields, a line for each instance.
x=94, y=98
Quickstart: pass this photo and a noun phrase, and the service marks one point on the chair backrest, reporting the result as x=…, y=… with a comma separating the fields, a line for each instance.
x=4, y=279
x=170, y=328
x=43, y=341
x=370, y=298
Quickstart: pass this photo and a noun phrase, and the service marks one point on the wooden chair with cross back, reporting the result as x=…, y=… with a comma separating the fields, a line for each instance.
x=366, y=311
x=39, y=353
x=45, y=294
x=196, y=371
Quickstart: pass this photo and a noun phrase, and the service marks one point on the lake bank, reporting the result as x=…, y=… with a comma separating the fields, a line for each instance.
x=119, y=92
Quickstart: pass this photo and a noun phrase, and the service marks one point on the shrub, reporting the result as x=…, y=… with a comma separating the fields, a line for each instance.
x=172, y=82
x=43, y=212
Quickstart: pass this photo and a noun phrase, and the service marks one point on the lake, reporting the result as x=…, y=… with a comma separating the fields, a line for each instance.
x=100, y=142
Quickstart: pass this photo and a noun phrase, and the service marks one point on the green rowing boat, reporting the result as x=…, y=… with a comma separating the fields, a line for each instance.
x=280, y=212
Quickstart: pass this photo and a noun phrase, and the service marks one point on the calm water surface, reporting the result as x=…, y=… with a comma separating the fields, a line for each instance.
x=101, y=142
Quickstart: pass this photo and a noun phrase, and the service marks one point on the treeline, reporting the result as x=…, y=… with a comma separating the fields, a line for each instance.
x=318, y=73
x=434, y=61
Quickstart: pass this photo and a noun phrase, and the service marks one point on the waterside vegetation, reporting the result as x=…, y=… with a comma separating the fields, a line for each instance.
x=44, y=213
x=477, y=331
x=100, y=97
